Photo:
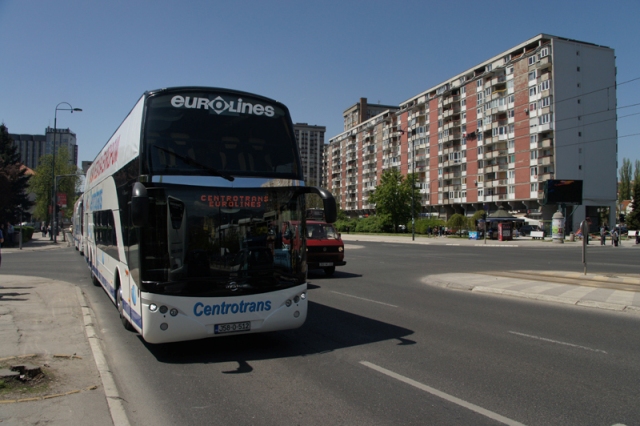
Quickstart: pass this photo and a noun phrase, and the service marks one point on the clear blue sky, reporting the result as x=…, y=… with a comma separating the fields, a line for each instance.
x=318, y=58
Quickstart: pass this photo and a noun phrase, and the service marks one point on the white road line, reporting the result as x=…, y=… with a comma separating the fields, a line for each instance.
x=558, y=342
x=362, y=298
x=445, y=396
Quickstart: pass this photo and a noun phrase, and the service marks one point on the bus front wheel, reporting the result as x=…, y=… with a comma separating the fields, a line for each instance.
x=125, y=322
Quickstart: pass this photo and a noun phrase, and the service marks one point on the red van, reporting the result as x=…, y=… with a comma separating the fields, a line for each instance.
x=325, y=249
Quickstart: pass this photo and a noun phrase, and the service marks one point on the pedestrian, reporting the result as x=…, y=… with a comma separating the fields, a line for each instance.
x=614, y=237
x=43, y=229
x=603, y=235
x=9, y=235
x=49, y=231
x=637, y=237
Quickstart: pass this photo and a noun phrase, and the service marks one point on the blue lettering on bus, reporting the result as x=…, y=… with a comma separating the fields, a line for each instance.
x=224, y=308
x=96, y=200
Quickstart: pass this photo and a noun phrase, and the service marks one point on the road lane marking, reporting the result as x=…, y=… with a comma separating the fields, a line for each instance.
x=445, y=396
x=362, y=298
x=558, y=342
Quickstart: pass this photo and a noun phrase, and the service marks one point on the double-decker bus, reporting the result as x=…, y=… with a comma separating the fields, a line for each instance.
x=182, y=212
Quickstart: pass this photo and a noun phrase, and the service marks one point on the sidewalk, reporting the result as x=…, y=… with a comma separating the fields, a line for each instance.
x=38, y=242
x=45, y=326
x=455, y=241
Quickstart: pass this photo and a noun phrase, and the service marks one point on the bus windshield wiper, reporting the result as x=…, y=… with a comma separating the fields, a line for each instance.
x=201, y=166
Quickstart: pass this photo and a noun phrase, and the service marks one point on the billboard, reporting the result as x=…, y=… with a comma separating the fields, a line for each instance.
x=562, y=192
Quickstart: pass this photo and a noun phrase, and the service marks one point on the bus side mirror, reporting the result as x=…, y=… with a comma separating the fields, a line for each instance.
x=328, y=202
x=139, y=205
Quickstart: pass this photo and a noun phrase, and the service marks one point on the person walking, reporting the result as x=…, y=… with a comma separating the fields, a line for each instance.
x=603, y=235
x=614, y=237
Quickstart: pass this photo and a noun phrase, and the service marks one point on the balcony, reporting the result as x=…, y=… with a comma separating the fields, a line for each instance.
x=545, y=161
x=543, y=63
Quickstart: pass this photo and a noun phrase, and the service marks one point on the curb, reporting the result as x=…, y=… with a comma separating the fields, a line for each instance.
x=114, y=401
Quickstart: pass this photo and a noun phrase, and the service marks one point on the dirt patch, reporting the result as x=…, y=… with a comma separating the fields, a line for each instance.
x=41, y=376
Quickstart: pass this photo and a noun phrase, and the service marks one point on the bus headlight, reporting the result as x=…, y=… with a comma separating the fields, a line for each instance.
x=153, y=307
x=164, y=326
x=163, y=309
x=173, y=312
x=288, y=302
x=303, y=296
x=296, y=299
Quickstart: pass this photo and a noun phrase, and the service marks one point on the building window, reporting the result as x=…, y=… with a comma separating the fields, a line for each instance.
x=479, y=83
x=512, y=159
x=532, y=59
x=546, y=101
x=509, y=70
x=533, y=90
x=545, y=118
x=511, y=144
x=544, y=52
x=534, y=171
x=533, y=139
x=534, y=187
x=544, y=85
x=534, y=154
x=533, y=75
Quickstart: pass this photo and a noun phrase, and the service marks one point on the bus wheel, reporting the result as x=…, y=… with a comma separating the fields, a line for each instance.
x=125, y=322
x=94, y=279
x=329, y=271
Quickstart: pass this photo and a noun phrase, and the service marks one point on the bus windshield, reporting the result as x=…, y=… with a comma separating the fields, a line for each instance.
x=220, y=241
x=211, y=132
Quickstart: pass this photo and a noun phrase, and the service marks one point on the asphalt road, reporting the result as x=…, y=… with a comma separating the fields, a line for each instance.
x=381, y=347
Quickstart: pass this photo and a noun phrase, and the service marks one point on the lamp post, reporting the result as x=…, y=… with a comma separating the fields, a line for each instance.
x=54, y=223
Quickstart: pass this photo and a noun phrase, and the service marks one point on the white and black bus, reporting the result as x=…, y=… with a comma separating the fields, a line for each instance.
x=183, y=209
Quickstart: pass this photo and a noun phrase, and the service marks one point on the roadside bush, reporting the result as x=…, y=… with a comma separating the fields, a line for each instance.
x=423, y=225
x=377, y=223
x=27, y=233
x=346, y=225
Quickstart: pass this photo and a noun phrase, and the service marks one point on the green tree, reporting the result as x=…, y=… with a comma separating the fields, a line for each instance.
x=457, y=222
x=636, y=176
x=41, y=183
x=392, y=198
x=624, y=190
x=633, y=218
x=13, y=180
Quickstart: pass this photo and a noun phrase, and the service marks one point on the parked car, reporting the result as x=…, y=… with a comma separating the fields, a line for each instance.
x=525, y=230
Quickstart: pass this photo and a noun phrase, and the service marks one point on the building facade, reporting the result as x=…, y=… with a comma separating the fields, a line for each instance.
x=492, y=135
x=32, y=147
x=310, y=141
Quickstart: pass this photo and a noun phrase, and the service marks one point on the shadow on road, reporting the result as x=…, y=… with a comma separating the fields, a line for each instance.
x=325, y=330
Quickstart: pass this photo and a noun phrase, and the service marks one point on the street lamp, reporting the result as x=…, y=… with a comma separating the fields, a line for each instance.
x=54, y=223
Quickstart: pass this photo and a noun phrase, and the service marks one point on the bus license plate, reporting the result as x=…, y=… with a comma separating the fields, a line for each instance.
x=326, y=263
x=232, y=327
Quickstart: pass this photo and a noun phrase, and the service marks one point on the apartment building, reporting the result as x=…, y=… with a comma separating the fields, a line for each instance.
x=310, y=141
x=32, y=147
x=492, y=135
